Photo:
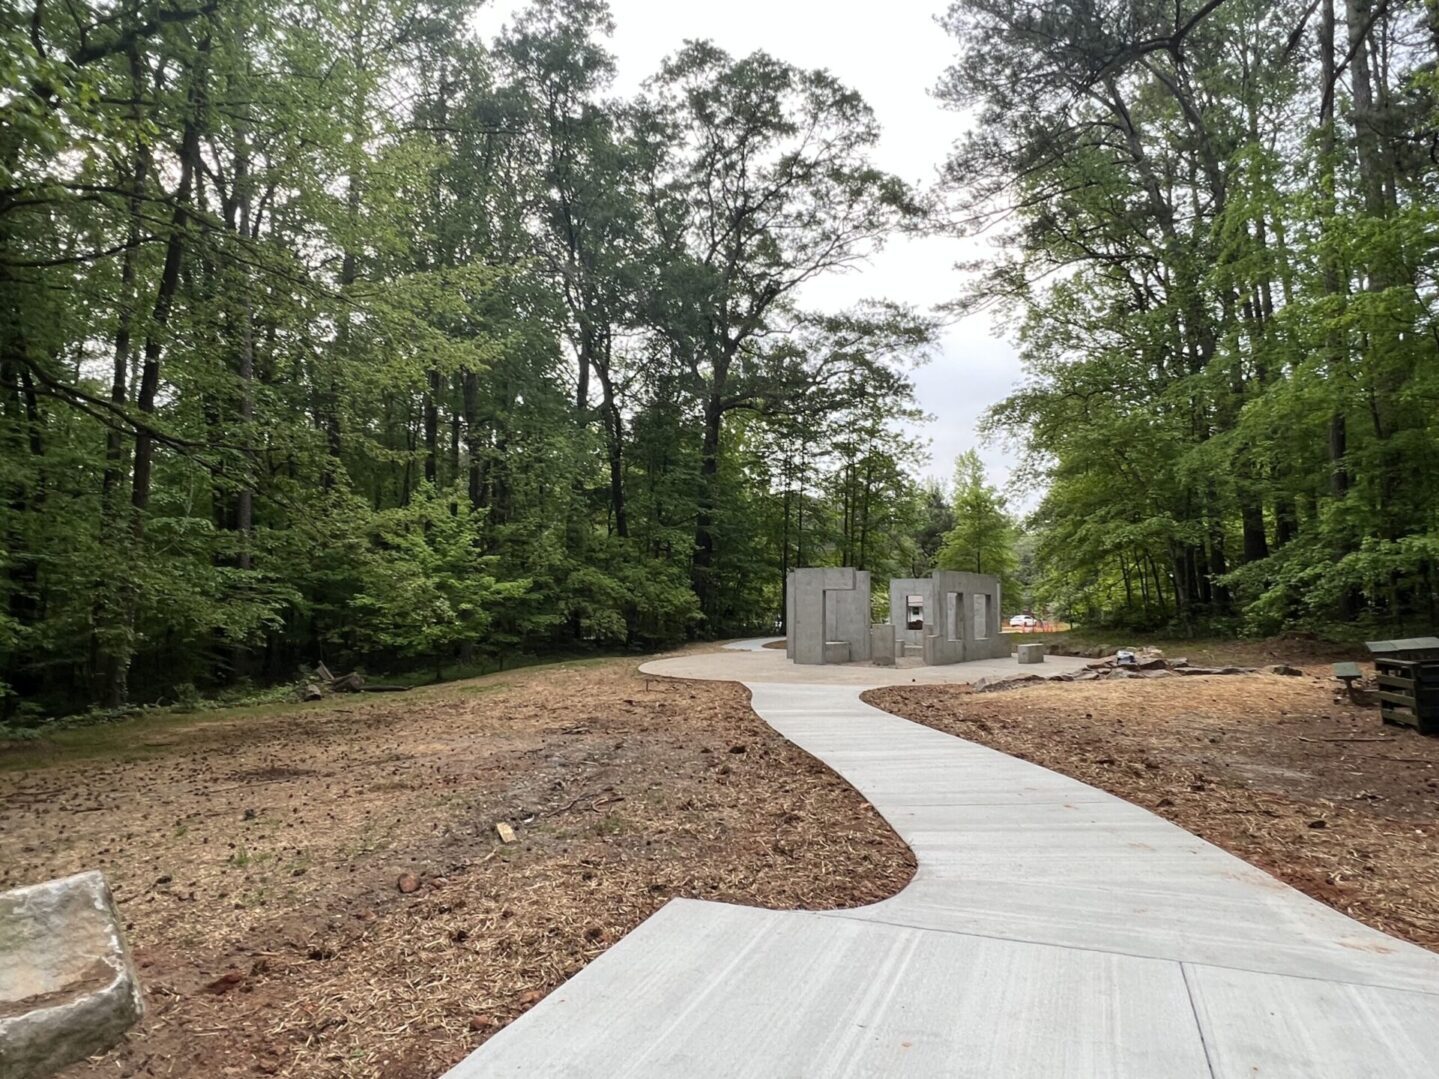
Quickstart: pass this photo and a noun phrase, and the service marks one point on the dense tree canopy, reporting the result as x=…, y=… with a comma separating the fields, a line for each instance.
x=333, y=332
x=983, y=538
x=1218, y=234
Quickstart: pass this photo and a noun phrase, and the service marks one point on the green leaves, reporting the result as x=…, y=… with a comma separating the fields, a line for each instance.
x=984, y=538
x=1222, y=307
x=333, y=332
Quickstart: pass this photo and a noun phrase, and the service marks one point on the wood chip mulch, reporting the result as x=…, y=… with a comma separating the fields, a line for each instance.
x=323, y=891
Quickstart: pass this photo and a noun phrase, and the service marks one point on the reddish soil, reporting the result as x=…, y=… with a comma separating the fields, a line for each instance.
x=321, y=890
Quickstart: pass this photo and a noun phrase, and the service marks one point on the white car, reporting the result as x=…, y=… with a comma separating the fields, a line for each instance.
x=1024, y=621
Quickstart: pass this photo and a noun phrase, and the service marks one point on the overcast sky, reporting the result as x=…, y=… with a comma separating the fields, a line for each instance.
x=893, y=54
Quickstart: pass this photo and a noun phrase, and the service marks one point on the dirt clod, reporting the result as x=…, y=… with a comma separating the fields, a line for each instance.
x=225, y=982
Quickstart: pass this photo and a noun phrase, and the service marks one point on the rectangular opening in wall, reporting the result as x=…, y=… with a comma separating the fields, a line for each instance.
x=981, y=616
x=955, y=621
x=914, y=612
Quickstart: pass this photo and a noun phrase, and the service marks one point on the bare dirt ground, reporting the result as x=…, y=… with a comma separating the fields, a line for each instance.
x=321, y=891
x=1318, y=793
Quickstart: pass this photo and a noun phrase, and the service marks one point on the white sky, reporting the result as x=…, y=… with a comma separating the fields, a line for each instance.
x=893, y=54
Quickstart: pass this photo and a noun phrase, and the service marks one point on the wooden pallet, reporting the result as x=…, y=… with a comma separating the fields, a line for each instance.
x=1409, y=693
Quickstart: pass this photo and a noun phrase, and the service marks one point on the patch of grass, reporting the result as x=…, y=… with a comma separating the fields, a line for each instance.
x=138, y=736
x=148, y=733
x=370, y=840
x=610, y=824
x=463, y=672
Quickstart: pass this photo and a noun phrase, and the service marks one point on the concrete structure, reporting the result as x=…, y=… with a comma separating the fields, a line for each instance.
x=948, y=617
x=1052, y=931
x=1030, y=653
x=827, y=615
x=882, y=644
x=67, y=986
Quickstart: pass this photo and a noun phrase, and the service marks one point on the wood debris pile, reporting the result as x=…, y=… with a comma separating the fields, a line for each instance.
x=324, y=683
x=1127, y=663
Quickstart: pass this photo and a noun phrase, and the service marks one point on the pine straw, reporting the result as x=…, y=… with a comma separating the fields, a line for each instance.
x=1273, y=769
x=280, y=943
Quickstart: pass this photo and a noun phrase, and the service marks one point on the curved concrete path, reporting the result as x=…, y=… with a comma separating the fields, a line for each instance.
x=1051, y=930
x=750, y=644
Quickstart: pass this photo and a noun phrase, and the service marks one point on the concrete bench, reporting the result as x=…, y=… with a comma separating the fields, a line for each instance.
x=1031, y=653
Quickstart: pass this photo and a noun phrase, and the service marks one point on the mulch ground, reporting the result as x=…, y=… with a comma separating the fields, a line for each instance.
x=1314, y=790
x=321, y=891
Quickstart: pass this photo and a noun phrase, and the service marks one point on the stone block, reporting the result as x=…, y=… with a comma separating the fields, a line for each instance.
x=882, y=645
x=836, y=651
x=67, y=987
x=1031, y=653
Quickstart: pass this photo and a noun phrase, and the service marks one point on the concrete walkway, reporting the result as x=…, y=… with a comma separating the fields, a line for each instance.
x=1051, y=930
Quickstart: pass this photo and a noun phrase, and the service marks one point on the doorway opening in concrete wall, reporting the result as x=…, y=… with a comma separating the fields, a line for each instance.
x=914, y=612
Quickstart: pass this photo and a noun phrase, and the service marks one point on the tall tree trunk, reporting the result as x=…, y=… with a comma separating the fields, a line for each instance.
x=1336, y=348
x=614, y=441
x=703, y=563
x=432, y=426
x=474, y=446
x=245, y=499
x=160, y=314
x=149, y=386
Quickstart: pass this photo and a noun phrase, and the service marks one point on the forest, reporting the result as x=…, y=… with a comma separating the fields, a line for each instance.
x=335, y=331
x=332, y=332
x=1217, y=228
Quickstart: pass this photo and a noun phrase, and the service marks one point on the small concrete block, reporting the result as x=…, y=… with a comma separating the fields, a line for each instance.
x=836, y=651
x=882, y=645
x=1031, y=653
x=67, y=987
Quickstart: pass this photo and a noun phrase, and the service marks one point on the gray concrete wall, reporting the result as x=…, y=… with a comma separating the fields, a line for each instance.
x=827, y=606
x=972, y=621
x=789, y=614
x=847, y=615
x=946, y=643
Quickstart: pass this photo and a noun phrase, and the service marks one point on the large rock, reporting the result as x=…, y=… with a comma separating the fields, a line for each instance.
x=67, y=986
